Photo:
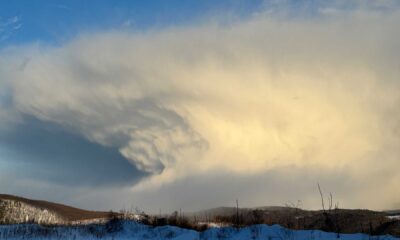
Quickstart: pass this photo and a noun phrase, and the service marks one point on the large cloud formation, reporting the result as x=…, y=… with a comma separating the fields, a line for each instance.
x=244, y=98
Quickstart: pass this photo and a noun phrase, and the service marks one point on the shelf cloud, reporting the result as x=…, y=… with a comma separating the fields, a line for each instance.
x=245, y=97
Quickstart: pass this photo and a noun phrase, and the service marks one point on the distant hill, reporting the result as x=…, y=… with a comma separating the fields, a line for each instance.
x=343, y=220
x=229, y=211
x=393, y=212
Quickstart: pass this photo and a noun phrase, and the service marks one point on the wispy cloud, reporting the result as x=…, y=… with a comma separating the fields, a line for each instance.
x=9, y=26
x=61, y=6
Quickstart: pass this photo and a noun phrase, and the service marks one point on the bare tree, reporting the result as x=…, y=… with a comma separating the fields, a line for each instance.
x=331, y=222
x=237, y=213
x=322, y=197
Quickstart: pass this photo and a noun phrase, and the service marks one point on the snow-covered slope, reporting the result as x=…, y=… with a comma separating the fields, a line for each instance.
x=134, y=230
x=19, y=212
x=15, y=209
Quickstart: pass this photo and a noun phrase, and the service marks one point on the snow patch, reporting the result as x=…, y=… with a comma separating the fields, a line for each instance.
x=134, y=230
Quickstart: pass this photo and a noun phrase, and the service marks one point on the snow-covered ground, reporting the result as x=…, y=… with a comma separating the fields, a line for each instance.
x=134, y=230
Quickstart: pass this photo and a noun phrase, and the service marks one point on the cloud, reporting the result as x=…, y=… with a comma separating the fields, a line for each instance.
x=244, y=98
x=275, y=187
x=9, y=26
x=42, y=151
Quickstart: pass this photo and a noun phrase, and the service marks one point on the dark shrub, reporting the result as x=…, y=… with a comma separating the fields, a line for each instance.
x=114, y=225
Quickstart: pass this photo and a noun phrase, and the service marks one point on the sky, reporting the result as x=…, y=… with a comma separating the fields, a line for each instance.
x=166, y=105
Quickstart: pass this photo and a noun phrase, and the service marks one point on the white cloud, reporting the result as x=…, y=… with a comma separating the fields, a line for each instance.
x=9, y=26
x=245, y=98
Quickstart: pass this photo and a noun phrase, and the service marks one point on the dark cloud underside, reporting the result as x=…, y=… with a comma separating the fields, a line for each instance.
x=63, y=157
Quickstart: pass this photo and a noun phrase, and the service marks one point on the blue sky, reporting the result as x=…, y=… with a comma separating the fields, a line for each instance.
x=58, y=21
x=193, y=104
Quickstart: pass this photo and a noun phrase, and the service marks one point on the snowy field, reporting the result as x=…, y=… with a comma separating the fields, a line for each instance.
x=134, y=230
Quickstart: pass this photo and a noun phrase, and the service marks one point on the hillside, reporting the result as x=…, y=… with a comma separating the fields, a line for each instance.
x=15, y=209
